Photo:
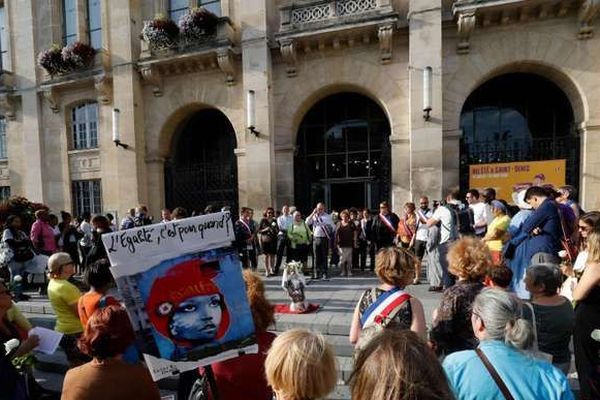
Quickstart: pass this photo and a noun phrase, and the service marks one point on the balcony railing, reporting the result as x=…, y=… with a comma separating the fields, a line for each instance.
x=297, y=14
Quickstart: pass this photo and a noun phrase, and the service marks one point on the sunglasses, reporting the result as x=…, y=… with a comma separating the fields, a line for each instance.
x=583, y=228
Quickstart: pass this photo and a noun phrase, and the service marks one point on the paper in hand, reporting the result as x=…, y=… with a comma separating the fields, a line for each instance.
x=49, y=339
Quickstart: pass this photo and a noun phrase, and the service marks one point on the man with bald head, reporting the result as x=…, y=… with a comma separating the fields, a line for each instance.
x=323, y=231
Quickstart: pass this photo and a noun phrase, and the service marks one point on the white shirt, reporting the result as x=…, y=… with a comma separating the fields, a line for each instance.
x=479, y=216
x=489, y=215
x=423, y=229
x=320, y=223
x=284, y=222
x=443, y=215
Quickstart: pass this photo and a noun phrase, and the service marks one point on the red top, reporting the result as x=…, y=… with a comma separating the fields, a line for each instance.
x=244, y=377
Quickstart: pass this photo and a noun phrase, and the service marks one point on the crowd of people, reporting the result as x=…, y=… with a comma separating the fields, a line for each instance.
x=509, y=277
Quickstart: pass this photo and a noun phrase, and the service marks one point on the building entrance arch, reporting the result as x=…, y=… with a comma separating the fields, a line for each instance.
x=201, y=169
x=518, y=117
x=343, y=154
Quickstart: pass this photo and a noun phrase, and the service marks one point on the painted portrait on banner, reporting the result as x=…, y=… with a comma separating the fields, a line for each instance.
x=183, y=289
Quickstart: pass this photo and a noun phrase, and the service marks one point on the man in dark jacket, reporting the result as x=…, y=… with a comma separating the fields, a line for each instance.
x=385, y=225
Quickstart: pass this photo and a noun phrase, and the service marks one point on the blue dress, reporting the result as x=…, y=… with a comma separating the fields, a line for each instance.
x=524, y=376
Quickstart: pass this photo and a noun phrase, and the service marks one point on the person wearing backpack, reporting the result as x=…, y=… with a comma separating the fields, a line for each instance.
x=444, y=216
x=388, y=304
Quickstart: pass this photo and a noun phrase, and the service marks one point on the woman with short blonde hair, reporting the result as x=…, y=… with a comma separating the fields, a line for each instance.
x=397, y=364
x=301, y=366
x=394, y=267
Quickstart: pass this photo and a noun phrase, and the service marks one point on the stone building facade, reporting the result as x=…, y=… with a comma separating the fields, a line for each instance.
x=335, y=91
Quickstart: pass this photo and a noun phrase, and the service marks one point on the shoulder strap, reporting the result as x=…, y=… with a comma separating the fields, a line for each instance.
x=488, y=365
x=534, y=323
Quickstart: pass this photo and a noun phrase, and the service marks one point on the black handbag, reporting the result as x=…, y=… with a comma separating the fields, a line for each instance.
x=509, y=250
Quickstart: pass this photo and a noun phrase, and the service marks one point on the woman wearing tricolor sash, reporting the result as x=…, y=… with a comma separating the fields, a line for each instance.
x=388, y=304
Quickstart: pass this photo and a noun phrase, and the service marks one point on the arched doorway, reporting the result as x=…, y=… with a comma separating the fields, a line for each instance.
x=343, y=154
x=518, y=117
x=202, y=168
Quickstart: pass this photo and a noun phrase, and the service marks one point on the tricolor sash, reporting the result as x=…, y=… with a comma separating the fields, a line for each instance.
x=383, y=307
x=388, y=224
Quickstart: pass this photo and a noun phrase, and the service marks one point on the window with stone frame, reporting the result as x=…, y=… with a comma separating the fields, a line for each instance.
x=4, y=59
x=87, y=196
x=177, y=8
x=94, y=23
x=3, y=153
x=84, y=126
x=4, y=192
x=69, y=21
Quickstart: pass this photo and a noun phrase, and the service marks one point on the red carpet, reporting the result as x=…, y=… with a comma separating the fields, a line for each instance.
x=285, y=309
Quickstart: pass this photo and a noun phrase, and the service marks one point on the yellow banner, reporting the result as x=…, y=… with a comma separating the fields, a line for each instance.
x=507, y=178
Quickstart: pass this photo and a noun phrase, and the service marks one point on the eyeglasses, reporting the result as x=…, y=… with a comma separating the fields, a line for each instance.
x=583, y=228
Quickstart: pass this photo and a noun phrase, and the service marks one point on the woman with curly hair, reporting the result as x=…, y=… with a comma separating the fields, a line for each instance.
x=469, y=258
x=389, y=302
x=244, y=377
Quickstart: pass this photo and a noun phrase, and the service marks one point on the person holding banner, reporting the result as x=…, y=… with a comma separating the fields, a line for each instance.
x=385, y=226
x=323, y=230
x=388, y=304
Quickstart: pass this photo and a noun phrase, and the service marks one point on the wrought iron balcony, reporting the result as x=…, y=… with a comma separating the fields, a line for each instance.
x=309, y=24
x=216, y=50
x=314, y=14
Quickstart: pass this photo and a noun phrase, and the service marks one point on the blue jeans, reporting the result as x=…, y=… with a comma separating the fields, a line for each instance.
x=447, y=278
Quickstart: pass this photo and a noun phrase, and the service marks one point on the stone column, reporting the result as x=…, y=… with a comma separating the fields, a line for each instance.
x=451, y=163
x=426, y=142
x=27, y=161
x=590, y=166
x=124, y=170
x=259, y=151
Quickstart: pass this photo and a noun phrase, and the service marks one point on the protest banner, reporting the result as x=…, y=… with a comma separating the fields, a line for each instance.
x=508, y=178
x=183, y=289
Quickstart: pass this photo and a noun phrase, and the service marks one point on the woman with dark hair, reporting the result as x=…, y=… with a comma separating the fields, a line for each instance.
x=107, y=335
x=99, y=279
x=69, y=236
x=97, y=251
x=397, y=364
x=267, y=231
x=23, y=258
x=552, y=314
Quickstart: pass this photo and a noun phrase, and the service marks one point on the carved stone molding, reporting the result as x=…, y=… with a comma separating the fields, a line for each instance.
x=466, y=24
x=52, y=98
x=225, y=61
x=590, y=9
x=104, y=88
x=152, y=76
x=288, y=52
x=7, y=106
x=385, y=35
x=84, y=163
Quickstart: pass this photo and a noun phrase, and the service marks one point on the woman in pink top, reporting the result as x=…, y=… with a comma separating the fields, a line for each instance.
x=42, y=234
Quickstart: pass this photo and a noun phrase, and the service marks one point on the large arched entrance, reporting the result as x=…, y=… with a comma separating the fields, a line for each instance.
x=202, y=168
x=343, y=154
x=518, y=117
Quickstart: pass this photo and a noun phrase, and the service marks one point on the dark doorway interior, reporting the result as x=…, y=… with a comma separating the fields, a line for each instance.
x=343, y=154
x=518, y=117
x=202, y=169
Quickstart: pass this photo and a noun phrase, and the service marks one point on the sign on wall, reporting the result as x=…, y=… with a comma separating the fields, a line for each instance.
x=508, y=178
x=183, y=289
